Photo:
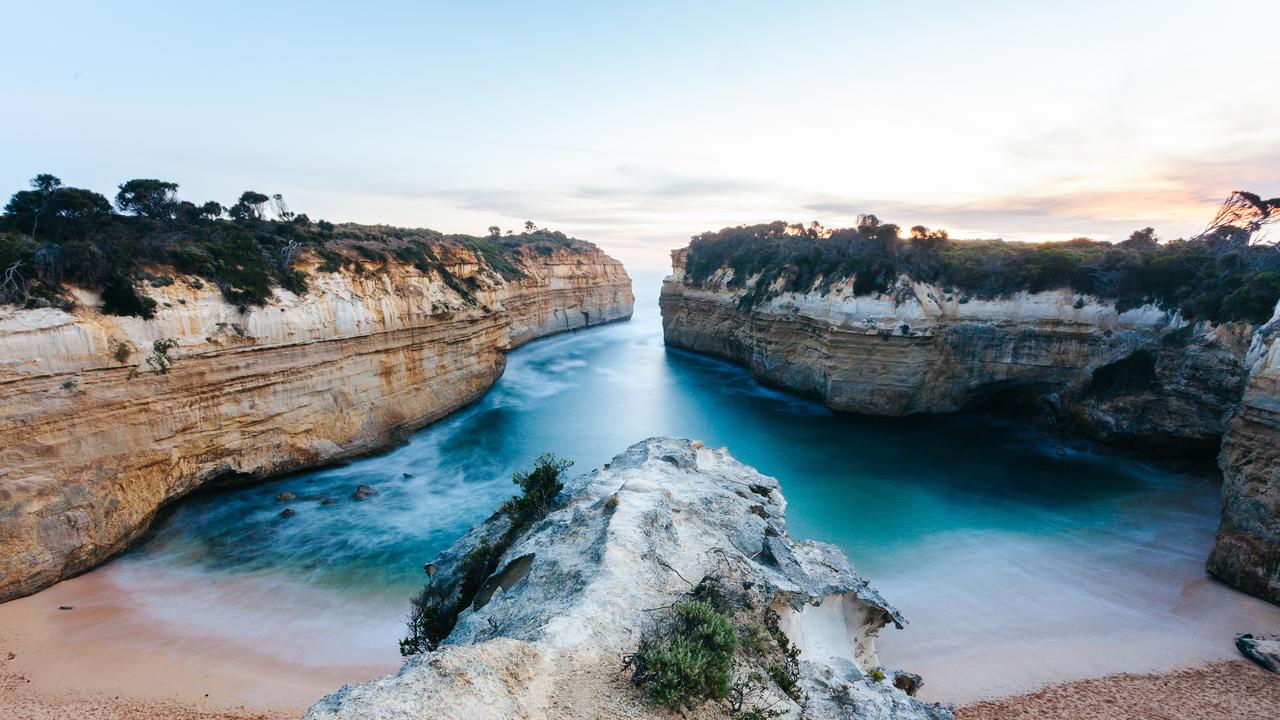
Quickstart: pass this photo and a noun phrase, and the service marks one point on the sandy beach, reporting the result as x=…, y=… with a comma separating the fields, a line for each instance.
x=1234, y=690
x=101, y=660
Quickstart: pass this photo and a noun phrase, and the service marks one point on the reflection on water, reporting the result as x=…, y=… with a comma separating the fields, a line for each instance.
x=989, y=534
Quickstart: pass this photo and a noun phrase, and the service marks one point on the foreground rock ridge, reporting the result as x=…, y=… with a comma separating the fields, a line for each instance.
x=94, y=440
x=1144, y=377
x=547, y=631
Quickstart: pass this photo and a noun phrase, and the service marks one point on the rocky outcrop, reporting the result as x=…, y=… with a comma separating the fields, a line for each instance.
x=1247, y=551
x=571, y=594
x=94, y=439
x=1263, y=651
x=1143, y=377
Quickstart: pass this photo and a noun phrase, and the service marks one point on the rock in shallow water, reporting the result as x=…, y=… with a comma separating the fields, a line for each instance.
x=571, y=593
x=364, y=491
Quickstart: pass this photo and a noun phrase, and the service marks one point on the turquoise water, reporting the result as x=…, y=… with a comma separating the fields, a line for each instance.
x=990, y=524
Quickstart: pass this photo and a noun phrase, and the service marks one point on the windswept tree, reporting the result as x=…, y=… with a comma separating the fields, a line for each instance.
x=149, y=198
x=1144, y=239
x=251, y=206
x=29, y=206
x=210, y=211
x=1244, y=218
x=281, y=209
x=494, y=231
x=529, y=226
x=53, y=206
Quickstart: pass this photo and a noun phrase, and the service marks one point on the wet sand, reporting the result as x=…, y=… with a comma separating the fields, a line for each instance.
x=103, y=660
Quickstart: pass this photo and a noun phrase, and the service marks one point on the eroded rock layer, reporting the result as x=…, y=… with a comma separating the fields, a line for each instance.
x=1142, y=377
x=1247, y=551
x=572, y=594
x=94, y=439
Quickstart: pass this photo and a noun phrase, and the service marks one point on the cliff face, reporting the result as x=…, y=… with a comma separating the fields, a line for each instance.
x=574, y=592
x=1139, y=376
x=1142, y=377
x=93, y=440
x=1247, y=551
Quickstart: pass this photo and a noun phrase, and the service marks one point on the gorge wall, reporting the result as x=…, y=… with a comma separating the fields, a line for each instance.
x=94, y=440
x=1143, y=377
x=1247, y=551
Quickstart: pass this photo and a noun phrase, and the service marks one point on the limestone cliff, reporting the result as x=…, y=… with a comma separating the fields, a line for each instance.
x=94, y=440
x=545, y=634
x=1247, y=551
x=1143, y=377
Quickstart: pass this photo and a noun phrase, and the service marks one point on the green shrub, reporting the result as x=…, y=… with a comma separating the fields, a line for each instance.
x=432, y=617
x=693, y=661
x=718, y=641
x=159, y=359
x=434, y=611
x=121, y=297
x=538, y=488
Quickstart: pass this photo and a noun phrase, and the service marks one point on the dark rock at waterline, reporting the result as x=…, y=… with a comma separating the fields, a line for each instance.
x=406, y=475
x=1260, y=650
x=328, y=501
x=285, y=497
x=364, y=491
x=909, y=683
x=287, y=513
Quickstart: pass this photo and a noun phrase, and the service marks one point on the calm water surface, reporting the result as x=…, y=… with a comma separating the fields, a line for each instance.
x=1019, y=556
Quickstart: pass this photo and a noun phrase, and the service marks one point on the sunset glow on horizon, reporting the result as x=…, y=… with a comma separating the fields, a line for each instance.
x=639, y=127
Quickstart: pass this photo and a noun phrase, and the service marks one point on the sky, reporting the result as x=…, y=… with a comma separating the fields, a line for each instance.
x=637, y=125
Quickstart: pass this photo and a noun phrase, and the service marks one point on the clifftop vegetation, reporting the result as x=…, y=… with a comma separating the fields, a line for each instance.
x=1227, y=273
x=52, y=234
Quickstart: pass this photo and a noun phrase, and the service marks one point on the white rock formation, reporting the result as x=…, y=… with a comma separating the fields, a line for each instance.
x=546, y=634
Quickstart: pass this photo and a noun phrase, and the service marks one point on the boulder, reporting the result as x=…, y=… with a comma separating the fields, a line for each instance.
x=1260, y=650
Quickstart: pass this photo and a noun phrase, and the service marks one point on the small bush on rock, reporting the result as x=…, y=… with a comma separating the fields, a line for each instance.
x=691, y=660
x=718, y=642
x=159, y=359
x=538, y=487
x=434, y=611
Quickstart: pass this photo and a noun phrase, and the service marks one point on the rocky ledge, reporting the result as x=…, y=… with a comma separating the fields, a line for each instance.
x=1141, y=377
x=572, y=595
x=100, y=426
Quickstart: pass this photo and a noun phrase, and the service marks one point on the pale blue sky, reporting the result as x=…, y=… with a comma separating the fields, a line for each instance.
x=639, y=126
